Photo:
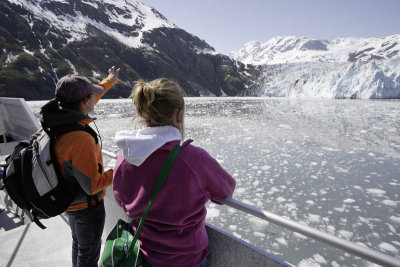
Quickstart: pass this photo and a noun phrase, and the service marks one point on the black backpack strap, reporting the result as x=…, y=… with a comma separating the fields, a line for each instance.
x=38, y=223
x=66, y=128
x=94, y=197
x=57, y=131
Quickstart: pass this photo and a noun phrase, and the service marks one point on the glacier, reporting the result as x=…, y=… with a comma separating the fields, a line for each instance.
x=365, y=80
x=365, y=68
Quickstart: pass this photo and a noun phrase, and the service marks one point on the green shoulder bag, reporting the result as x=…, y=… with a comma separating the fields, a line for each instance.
x=122, y=248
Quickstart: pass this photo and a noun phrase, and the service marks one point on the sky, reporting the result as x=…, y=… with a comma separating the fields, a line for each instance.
x=227, y=25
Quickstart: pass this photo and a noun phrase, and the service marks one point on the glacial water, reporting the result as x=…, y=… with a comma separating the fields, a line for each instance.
x=330, y=164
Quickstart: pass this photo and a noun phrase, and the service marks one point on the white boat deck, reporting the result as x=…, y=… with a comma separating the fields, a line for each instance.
x=28, y=245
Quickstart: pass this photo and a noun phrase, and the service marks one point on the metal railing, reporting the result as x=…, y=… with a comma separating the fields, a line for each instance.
x=347, y=246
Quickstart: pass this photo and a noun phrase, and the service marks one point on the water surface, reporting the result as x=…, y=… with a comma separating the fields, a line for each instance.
x=330, y=164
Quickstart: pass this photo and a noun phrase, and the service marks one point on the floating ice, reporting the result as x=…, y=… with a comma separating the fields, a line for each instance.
x=240, y=190
x=212, y=213
x=341, y=170
x=310, y=202
x=114, y=116
x=273, y=190
x=391, y=228
x=258, y=224
x=282, y=241
x=232, y=210
x=349, y=200
x=389, y=202
x=237, y=235
x=330, y=149
x=265, y=167
x=346, y=234
x=233, y=227
x=308, y=263
x=258, y=234
x=331, y=229
x=341, y=209
x=314, y=218
x=388, y=247
x=291, y=206
x=376, y=191
x=280, y=199
x=318, y=258
x=300, y=236
x=395, y=219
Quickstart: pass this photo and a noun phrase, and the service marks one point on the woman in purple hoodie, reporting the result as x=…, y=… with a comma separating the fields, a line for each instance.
x=174, y=232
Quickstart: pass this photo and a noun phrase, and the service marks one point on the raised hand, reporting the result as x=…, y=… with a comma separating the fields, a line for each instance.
x=113, y=73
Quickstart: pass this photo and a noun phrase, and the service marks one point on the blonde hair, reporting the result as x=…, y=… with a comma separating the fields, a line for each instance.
x=157, y=101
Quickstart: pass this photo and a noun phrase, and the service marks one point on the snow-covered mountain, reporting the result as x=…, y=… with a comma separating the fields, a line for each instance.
x=342, y=68
x=124, y=20
x=291, y=49
x=42, y=40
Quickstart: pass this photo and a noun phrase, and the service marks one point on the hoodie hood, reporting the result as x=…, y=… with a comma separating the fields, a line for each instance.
x=138, y=145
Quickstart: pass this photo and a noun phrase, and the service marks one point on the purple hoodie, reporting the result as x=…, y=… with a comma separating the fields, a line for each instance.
x=174, y=233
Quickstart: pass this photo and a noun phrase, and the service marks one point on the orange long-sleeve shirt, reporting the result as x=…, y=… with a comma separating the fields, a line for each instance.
x=80, y=157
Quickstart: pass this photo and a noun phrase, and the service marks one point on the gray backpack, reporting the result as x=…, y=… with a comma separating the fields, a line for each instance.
x=32, y=177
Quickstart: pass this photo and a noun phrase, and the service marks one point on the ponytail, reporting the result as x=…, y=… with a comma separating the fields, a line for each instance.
x=157, y=101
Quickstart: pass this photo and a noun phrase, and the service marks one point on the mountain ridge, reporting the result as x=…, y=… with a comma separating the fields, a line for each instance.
x=292, y=49
x=43, y=40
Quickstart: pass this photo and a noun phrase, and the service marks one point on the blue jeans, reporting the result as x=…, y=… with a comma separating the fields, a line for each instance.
x=86, y=227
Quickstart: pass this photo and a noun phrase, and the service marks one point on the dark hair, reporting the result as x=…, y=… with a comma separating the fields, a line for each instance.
x=71, y=105
x=51, y=106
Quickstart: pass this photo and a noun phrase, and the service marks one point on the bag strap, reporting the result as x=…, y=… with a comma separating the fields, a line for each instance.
x=162, y=176
x=66, y=128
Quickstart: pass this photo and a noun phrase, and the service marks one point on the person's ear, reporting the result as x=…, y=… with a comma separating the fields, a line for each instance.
x=179, y=115
x=83, y=105
x=85, y=100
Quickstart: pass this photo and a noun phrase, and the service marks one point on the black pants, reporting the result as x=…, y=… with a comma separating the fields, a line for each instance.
x=86, y=227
